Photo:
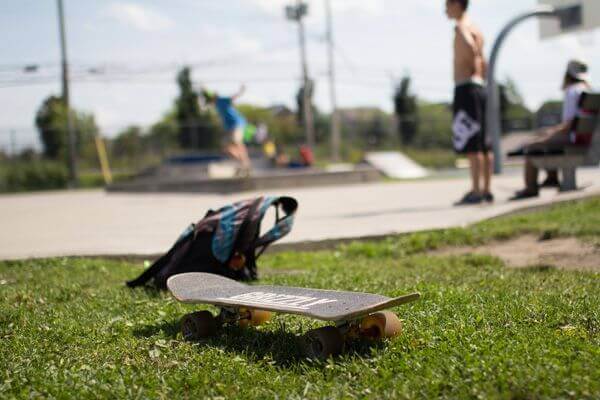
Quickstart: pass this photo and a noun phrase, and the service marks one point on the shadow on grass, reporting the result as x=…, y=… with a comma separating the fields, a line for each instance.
x=280, y=347
x=169, y=328
x=537, y=268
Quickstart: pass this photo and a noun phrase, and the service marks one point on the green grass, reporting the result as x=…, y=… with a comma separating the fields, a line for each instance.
x=70, y=329
x=436, y=158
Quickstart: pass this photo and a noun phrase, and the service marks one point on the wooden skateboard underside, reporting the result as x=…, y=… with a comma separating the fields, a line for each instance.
x=327, y=305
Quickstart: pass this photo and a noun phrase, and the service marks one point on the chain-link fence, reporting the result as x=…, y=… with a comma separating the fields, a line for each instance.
x=26, y=161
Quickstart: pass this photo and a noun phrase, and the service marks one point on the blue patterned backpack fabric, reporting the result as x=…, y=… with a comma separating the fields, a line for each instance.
x=225, y=242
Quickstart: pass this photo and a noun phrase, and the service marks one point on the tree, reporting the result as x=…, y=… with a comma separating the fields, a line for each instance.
x=405, y=106
x=281, y=122
x=376, y=133
x=515, y=114
x=366, y=126
x=300, y=101
x=163, y=135
x=435, y=122
x=128, y=144
x=549, y=114
x=197, y=128
x=48, y=120
x=51, y=124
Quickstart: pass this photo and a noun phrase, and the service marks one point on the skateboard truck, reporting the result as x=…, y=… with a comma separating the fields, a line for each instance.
x=318, y=343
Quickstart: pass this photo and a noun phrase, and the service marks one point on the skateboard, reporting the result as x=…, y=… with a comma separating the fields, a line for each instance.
x=355, y=315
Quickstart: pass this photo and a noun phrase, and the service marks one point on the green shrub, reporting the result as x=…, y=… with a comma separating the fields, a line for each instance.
x=91, y=180
x=34, y=175
x=436, y=158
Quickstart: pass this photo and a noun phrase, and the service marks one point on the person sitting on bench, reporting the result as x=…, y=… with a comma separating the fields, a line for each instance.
x=554, y=139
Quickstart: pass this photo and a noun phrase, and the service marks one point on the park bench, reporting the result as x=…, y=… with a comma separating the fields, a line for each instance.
x=586, y=127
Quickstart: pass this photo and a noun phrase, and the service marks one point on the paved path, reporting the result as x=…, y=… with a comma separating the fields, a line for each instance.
x=97, y=223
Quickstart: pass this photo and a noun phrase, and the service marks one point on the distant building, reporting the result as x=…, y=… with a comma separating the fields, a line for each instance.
x=369, y=124
x=549, y=114
x=280, y=110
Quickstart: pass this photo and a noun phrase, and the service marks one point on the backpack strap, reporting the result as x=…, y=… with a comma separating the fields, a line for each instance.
x=164, y=260
x=150, y=272
x=282, y=226
x=248, y=229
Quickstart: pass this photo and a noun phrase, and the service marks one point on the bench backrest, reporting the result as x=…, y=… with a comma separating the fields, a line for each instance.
x=588, y=123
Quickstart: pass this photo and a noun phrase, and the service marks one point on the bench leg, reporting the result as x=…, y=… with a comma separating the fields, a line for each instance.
x=568, y=182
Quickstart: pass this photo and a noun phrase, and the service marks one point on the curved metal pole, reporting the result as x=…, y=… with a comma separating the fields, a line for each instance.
x=493, y=120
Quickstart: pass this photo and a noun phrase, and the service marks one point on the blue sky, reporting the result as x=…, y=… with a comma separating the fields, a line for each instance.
x=136, y=46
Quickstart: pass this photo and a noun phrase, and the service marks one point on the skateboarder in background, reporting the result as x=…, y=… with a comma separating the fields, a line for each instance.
x=234, y=125
x=469, y=102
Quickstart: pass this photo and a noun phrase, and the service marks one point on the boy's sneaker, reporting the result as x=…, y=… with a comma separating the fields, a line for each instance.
x=469, y=199
x=488, y=197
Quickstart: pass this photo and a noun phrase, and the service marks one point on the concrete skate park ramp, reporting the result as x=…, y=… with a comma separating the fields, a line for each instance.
x=396, y=165
x=218, y=176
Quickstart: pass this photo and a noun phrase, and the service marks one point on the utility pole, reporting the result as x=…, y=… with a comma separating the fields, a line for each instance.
x=13, y=144
x=297, y=13
x=335, y=119
x=65, y=95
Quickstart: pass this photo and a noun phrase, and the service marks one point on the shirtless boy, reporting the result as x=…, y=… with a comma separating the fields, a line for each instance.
x=469, y=102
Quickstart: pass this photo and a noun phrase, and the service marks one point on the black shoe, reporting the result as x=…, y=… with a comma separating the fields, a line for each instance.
x=525, y=194
x=550, y=183
x=517, y=152
x=469, y=199
x=488, y=197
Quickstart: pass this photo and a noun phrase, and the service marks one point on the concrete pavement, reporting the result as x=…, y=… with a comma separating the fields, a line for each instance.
x=93, y=222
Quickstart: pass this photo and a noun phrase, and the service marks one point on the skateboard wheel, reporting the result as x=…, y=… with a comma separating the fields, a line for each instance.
x=237, y=262
x=379, y=325
x=250, y=316
x=323, y=342
x=198, y=325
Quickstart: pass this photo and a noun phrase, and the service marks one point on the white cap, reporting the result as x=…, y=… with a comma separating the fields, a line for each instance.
x=578, y=69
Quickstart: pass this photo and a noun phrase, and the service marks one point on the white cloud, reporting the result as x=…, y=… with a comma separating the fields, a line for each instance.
x=371, y=8
x=573, y=46
x=271, y=7
x=224, y=41
x=139, y=17
x=245, y=43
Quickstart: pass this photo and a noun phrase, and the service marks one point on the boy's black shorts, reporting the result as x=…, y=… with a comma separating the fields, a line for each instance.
x=468, y=126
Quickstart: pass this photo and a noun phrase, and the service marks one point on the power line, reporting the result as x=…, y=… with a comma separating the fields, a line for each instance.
x=123, y=68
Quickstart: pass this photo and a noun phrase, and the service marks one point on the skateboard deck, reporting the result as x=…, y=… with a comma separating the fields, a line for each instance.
x=326, y=305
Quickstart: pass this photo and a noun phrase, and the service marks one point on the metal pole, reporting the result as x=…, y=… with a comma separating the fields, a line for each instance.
x=335, y=120
x=306, y=103
x=65, y=94
x=493, y=119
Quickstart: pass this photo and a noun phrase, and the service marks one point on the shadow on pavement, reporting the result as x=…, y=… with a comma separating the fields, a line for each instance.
x=405, y=210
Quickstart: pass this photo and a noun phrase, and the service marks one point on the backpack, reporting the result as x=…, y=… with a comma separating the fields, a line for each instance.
x=225, y=242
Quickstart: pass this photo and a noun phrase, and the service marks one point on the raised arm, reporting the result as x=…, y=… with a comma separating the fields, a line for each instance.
x=239, y=93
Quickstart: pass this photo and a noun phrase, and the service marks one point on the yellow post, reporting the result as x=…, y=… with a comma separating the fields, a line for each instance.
x=101, y=148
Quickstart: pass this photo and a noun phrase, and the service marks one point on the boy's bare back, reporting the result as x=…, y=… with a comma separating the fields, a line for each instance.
x=469, y=62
